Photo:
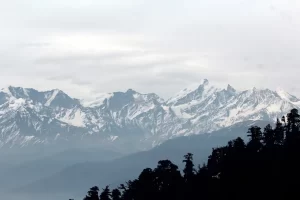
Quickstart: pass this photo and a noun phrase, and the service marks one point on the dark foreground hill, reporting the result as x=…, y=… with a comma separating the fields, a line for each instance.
x=73, y=179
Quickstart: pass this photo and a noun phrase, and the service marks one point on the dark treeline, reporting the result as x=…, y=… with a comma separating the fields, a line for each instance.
x=265, y=167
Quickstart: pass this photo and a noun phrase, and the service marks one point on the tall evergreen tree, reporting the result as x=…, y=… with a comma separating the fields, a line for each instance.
x=279, y=132
x=92, y=194
x=116, y=194
x=167, y=179
x=255, y=135
x=105, y=194
x=189, y=170
x=292, y=126
x=269, y=136
x=239, y=144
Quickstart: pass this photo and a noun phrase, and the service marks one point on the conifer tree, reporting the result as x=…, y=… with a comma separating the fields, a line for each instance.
x=269, y=136
x=92, y=194
x=105, y=194
x=255, y=135
x=279, y=132
x=116, y=194
x=167, y=179
x=239, y=144
x=292, y=126
x=189, y=166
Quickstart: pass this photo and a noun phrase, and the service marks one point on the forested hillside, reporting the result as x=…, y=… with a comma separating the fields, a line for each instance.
x=265, y=167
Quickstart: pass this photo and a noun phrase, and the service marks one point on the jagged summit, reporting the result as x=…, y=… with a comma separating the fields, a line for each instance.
x=29, y=116
x=230, y=88
x=288, y=97
x=204, y=82
x=130, y=91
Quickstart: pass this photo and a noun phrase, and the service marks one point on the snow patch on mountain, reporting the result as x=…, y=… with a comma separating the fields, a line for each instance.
x=51, y=98
x=98, y=100
x=288, y=97
x=15, y=104
x=74, y=118
x=6, y=90
x=183, y=93
x=113, y=137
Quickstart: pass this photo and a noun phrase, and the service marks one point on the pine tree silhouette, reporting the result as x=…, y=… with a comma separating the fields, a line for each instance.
x=115, y=194
x=105, y=194
x=189, y=166
x=279, y=132
x=269, y=136
x=92, y=194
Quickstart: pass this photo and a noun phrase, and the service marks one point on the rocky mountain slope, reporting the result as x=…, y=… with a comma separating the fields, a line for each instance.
x=30, y=117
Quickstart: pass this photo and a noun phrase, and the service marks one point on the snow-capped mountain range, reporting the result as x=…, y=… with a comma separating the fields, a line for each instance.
x=29, y=117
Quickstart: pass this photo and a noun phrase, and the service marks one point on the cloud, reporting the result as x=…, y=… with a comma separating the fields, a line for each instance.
x=91, y=46
x=72, y=79
x=34, y=44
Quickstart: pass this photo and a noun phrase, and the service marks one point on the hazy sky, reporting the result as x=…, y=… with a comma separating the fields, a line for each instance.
x=158, y=46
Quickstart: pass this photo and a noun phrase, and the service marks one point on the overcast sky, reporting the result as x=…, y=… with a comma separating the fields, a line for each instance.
x=158, y=46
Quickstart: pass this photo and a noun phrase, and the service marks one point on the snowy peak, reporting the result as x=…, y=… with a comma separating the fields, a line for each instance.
x=28, y=116
x=286, y=96
x=209, y=108
x=50, y=96
x=193, y=93
x=18, y=92
x=230, y=89
x=57, y=98
x=130, y=92
x=204, y=82
x=98, y=100
x=105, y=98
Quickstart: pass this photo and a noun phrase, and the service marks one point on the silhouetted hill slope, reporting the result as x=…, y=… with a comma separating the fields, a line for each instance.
x=73, y=179
x=16, y=175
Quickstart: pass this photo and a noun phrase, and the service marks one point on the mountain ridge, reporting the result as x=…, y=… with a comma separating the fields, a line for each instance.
x=31, y=117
